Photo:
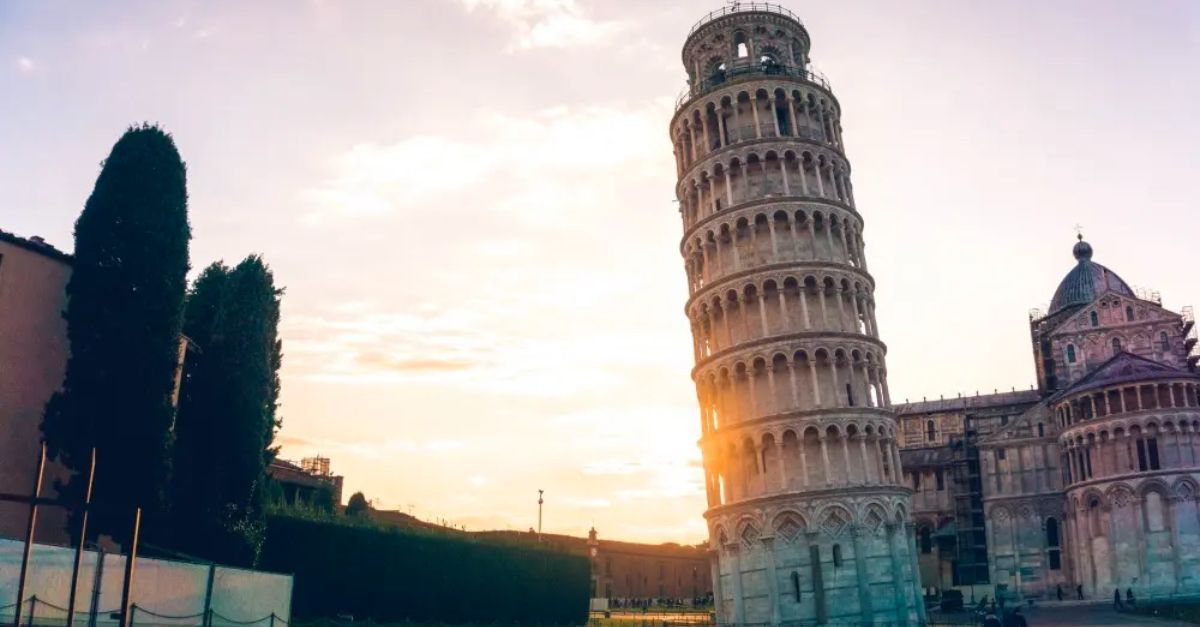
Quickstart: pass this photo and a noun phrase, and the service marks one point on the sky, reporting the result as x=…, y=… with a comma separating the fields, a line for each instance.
x=470, y=204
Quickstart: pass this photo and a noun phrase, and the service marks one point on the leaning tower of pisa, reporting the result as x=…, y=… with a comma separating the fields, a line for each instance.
x=807, y=518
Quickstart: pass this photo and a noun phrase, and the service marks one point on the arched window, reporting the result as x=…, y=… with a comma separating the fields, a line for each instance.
x=930, y=431
x=1166, y=341
x=739, y=45
x=1116, y=345
x=1095, y=319
x=1052, y=544
x=926, y=540
x=796, y=585
x=1070, y=353
x=1041, y=430
x=1128, y=313
x=837, y=556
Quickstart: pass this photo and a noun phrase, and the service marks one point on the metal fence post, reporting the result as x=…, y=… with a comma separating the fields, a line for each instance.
x=83, y=524
x=272, y=624
x=208, y=594
x=29, y=532
x=130, y=565
x=33, y=609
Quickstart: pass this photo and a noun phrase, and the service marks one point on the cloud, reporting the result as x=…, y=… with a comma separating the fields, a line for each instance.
x=25, y=65
x=372, y=449
x=382, y=361
x=525, y=164
x=548, y=23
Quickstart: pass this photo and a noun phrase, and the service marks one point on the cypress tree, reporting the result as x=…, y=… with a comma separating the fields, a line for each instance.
x=227, y=415
x=124, y=313
x=192, y=494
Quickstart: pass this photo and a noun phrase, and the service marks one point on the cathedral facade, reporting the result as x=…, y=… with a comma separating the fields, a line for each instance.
x=1089, y=480
x=808, y=517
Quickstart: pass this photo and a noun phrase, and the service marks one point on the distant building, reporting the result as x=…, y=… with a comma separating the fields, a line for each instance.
x=1089, y=479
x=301, y=482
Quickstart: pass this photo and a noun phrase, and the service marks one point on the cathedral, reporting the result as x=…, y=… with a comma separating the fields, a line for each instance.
x=1090, y=478
x=826, y=501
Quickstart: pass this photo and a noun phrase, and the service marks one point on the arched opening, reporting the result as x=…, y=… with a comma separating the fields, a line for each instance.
x=1070, y=353
x=837, y=556
x=1128, y=313
x=796, y=586
x=926, y=540
x=1095, y=319
x=930, y=431
x=1041, y=430
x=1052, y=544
x=1165, y=341
x=739, y=45
x=1116, y=345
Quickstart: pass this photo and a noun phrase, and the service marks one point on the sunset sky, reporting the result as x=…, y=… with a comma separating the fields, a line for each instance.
x=470, y=203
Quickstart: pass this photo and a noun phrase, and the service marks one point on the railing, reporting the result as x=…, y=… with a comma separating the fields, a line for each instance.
x=744, y=7
x=761, y=69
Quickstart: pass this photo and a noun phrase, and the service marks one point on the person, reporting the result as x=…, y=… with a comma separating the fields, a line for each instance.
x=1117, y=605
x=1079, y=590
x=1129, y=597
x=1059, y=592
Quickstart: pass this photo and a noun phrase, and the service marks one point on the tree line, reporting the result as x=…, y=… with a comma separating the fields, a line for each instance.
x=189, y=444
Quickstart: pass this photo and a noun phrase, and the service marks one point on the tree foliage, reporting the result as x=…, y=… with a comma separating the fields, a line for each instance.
x=227, y=414
x=124, y=312
x=357, y=505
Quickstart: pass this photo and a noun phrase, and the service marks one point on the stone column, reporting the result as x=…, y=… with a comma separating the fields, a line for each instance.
x=900, y=600
x=816, y=386
x=735, y=564
x=803, y=292
x=768, y=543
x=918, y=595
x=754, y=110
x=762, y=313
x=792, y=381
x=718, y=598
x=866, y=466
x=846, y=456
x=1170, y=504
x=791, y=105
x=879, y=447
x=860, y=571
x=825, y=458
x=802, y=445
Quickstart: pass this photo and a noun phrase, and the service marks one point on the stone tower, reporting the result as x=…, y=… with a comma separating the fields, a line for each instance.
x=807, y=518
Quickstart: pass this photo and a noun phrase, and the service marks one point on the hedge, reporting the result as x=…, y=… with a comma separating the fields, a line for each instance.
x=390, y=575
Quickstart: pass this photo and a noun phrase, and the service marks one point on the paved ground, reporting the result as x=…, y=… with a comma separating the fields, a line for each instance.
x=1048, y=616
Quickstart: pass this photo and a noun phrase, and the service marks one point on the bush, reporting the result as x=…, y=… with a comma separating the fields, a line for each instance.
x=392, y=575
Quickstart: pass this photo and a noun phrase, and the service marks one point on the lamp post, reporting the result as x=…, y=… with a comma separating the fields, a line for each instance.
x=540, y=515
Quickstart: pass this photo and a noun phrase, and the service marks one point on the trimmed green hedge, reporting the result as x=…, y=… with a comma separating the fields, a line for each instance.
x=393, y=575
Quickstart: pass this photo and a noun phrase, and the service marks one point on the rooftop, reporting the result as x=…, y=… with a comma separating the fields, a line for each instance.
x=35, y=244
x=961, y=403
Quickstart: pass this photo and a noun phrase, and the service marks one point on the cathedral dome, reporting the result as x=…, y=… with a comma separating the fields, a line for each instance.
x=1086, y=281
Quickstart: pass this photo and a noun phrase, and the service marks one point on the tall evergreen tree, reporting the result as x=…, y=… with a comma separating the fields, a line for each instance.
x=227, y=414
x=124, y=312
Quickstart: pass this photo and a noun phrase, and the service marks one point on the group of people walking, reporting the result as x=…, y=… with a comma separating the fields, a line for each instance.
x=1119, y=605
